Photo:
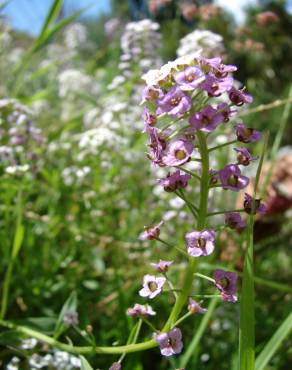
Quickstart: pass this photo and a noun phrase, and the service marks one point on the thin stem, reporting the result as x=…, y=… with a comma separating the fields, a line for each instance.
x=204, y=277
x=173, y=246
x=184, y=317
x=188, y=172
x=150, y=325
x=132, y=337
x=191, y=207
x=222, y=145
x=205, y=295
x=222, y=212
x=170, y=285
x=263, y=107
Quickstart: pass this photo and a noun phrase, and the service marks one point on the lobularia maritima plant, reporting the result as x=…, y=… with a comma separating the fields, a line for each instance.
x=184, y=102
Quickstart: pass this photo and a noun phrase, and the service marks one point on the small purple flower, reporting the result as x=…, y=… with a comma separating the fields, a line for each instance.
x=189, y=79
x=175, y=181
x=239, y=97
x=224, y=109
x=194, y=307
x=151, y=233
x=71, y=318
x=175, y=102
x=157, y=144
x=214, y=176
x=140, y=311
x=150, y=120
x=251, y=208
x=200, y=243
x=151, y=93
x=170, y=343
x=162, y=266
x=152, y=286
x=116, y=366
x=206, y=120
x=215, y=87
x=215, y=66
x=231, y=178
x=178, y=152
x=225, y=281
x=247, y=134
x=244, y=157
x=234, y=221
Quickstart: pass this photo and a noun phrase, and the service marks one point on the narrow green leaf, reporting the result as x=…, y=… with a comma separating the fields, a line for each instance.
x=199, y=333
x=42, y=41
x=69, y=306
x=85, y=364
x=51, y=16
x=247, y=319
x=274, y=343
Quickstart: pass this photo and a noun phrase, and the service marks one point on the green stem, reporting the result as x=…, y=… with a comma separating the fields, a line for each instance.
x=221, y=212
x=222, y=145
x=204, y=277
x=183, y=318
x=201, y=224
x=188, y=172
x=191, y=207
x=173, y=246
x=130, y=348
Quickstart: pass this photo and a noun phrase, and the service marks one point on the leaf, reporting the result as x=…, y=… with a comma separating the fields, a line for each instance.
x=274, y=343
x=44, y=324
x=51, y=16
x=69, y=306
x=85, y=364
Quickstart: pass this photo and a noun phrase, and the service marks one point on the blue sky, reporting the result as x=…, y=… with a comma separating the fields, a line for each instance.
x=28, y=15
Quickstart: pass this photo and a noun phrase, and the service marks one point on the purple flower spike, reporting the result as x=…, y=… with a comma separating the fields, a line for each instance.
x=175, y=181
x=258, y=207
x=162, y=266
x=152, y=286
x=231, y=178
x=151, y=233
x=200, y=243
x=225, y=281
x=247, y=134
x=206, y=120
x=170, y=343
x=239, y=97
x=116, y=366
x=244, y=157
x=215, y=87
x=194, y=307
x=178, y=152
x=174, y=102
x=234, y=221
x=189, y=78
x=140, y=311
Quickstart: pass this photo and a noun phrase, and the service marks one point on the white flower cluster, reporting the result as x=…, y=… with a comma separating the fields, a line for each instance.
x=58, y=360
x=75, y=175
x=210, y=44
x=75, y=36
x=72, y=82
x=139, y=43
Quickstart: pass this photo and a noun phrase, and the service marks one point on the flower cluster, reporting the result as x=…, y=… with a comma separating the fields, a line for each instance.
x=209, y=43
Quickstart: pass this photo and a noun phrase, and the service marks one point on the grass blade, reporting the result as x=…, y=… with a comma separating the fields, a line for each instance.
x=247, y=319
x=274, y=343
x=51, y=17
x=201, y=329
